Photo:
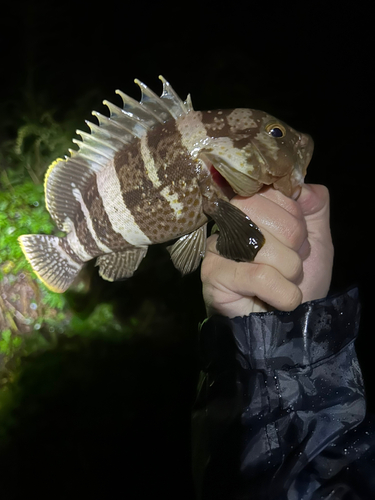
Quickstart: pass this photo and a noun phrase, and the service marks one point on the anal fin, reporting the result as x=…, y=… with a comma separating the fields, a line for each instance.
x=188, y=250
x=239, y=238
x=120, y=265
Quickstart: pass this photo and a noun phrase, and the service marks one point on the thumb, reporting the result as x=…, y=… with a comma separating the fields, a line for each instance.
x=314, y=200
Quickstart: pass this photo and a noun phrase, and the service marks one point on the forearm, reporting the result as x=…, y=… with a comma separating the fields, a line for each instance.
x=276, y=389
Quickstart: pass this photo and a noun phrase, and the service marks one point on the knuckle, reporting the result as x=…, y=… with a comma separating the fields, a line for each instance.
x=293, y=208
x=295, y=234
x=260, y=273
x=266, y=279
x=208, y=268
x=279, y=291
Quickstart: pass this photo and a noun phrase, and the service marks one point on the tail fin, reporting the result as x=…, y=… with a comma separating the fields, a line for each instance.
x=50, y=262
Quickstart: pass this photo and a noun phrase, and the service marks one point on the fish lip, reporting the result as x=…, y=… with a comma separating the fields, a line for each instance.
x=214, y=162
x=306, y=145
x=296, y=193
x=221, y=182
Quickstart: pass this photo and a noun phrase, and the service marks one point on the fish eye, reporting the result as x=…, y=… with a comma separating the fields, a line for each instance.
x=275, y=130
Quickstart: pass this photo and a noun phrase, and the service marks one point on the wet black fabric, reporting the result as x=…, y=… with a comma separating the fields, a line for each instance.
x=280, y=412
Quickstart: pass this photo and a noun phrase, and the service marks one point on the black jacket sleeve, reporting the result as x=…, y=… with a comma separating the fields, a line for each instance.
x=280, y=412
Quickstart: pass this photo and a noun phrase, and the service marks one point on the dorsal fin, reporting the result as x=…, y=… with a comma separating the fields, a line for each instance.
x=99, y=146
x=175, y=105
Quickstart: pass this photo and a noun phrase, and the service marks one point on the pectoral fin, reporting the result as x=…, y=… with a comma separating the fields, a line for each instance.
x=120, y=265
x=188, y=250
x=239, y=238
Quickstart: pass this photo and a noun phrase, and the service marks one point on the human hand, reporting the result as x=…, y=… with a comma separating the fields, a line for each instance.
x=293, y=266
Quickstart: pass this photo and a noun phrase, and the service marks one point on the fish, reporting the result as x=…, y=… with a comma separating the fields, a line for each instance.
x=157, y=171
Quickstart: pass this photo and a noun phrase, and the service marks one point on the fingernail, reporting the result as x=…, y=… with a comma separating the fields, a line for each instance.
x=296, y=193
x=304, y=250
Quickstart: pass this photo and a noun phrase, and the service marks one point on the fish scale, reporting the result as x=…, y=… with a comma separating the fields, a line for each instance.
x=156, y=171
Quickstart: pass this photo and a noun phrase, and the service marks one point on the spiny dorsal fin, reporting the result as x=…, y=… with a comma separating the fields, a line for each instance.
x=175, y=105
x=99, y=146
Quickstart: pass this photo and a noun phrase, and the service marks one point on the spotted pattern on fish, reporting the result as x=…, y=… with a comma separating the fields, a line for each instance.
x=67, y=249
x=80, y=239
x=89, y=216
x=83, y=235
x=159, y=204
x=100, y=220
x=120, y=215
x=156, y=171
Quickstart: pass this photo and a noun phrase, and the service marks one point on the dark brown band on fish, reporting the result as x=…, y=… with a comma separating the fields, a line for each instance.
x=138, y=190
x=172, y=161
x=165, y=178
x=64, y=244
x=83, y=233
x=100, y=220
x=216, y=124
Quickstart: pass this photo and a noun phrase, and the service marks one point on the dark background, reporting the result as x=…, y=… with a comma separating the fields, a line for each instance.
x=309, y=65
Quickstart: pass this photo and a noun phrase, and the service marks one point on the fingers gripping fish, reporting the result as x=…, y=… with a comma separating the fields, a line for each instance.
x=156, y=171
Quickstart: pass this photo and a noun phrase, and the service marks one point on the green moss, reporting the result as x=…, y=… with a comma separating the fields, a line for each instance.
x=40, y=140
x=23, y=162
x=100, y=321
x=5, y=341
x=22, y=211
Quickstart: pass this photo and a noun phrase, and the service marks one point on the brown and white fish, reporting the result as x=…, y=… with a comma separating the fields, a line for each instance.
x=157, y=170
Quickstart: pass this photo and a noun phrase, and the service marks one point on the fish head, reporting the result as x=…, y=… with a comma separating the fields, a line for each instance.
x=251, y=148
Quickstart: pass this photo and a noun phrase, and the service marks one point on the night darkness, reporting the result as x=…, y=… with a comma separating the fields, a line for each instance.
x=310, y=66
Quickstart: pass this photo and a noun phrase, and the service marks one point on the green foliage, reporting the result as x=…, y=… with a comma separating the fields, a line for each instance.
x=8, y=343
x=99, y=321
x=38, y=142
x=24, y=159
x=22, y=211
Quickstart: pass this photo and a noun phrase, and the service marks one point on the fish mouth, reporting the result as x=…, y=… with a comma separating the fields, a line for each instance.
x=289, y=181
x=221, y=182
x=229, y=179
x=293, y=190
x=297, y=191
x=232, y=181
